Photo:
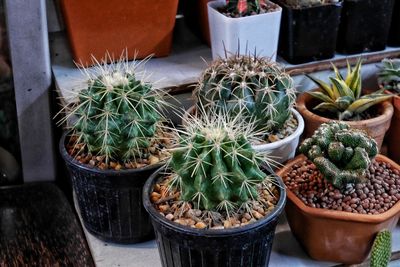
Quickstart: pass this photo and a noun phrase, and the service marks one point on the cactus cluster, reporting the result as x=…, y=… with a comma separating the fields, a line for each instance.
x=389, y=75
x=340, y=153
x=256, y=88
x=241, y=8
x=307, y=3
x=381, y=249
x=343, y=98
x=215, y=166
x=117, y=115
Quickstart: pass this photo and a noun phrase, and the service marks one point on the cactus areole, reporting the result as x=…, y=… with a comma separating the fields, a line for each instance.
x=340, y=153
x=215, y=166
x=256, y=88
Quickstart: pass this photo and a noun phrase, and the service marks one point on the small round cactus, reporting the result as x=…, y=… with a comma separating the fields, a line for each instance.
x=254, y=87
x=381, y=249
x=340, y=153
x=215, y=166
x=117, y=115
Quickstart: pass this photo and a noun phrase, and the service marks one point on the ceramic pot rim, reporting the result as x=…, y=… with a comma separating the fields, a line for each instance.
x=340, y=215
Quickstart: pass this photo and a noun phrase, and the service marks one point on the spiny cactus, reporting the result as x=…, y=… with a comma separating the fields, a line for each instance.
x=340, y=153
x=343, y=98
x=215, y=166
x=381, y=249
x=243, y=8
x=116, y=116
x=254, y=87
x=307, y=3
x=389, y=75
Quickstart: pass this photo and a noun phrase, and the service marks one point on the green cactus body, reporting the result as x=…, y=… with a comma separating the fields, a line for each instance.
x=117, y=115
x=381, y=249
x=215, y=165
x=254, y=87
x=340, y=153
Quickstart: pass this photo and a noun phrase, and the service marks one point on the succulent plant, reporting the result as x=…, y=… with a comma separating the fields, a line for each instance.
x=389, y=75
x=215, y=166
x=307, y=3
x=340, y=153
x=117, y=115
x=256, y=88
x=243, y=8
x=381, y=249
x=343, y=97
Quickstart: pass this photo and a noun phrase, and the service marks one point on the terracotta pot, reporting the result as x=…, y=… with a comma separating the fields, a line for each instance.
x=394, y=132
x=280, y=151
x=337, y=236
x=97, y=26
x=375, y=127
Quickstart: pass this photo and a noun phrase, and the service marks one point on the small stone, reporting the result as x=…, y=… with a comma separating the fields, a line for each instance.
x=153, y=160
x=118, y=167
x=169, y=216
x=227, y=224
x=200, y=225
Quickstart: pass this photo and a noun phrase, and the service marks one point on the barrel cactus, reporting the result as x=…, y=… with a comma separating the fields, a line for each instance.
x=340, y=153
x=381, y=249
x=116, y=115
x=215, y=166
x=256, y=88
x=307, y=3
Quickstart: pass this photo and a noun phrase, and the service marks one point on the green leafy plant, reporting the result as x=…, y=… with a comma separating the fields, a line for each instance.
x=340, y=153
x=243, y=8
x=389, y=75
x=214, y=165
x=256, y=88
x=343, y=97
x=118, y=114
x=381, y=249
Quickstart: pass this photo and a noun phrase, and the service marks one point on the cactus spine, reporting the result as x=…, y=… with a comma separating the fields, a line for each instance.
x=381, y=249
x=340, y=153
x=253, y=87
x=215, y=166
x=117, y=115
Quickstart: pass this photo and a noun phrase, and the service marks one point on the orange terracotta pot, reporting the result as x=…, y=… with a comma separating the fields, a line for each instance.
x=337, y=236
x=97, y=26
x=375, y=127
x=394, y=132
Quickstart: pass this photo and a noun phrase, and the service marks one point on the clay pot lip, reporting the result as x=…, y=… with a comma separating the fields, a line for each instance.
x=125, y=172
x=269, y=146
x=340, y=215
x=156, y=216
x=304, y=98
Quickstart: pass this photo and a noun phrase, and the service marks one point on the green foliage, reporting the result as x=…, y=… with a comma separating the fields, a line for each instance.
x=241, y=8
x=389, y=75
x=340, y=153
x=117, y=115
x=215, y=166
x=343, y=97
x=381, y=249
x=256, y=88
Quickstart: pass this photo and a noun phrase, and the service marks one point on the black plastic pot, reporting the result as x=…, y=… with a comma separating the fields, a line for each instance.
x=110, y=202
x=181, y=246
x=364, y=25
x=394, y=33
x=308, y=34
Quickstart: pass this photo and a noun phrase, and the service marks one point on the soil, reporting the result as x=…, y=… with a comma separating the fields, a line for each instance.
x=269, y=7
x=169, y=205
x=370, y=113
x=288, y=129
x=378, y=194
x=157, y=152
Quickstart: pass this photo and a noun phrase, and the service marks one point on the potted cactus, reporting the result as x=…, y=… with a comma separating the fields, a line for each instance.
x=215, y=205
x=115, y=142
x=96, y=27
x=364, y=26
x=343, y=100
x=340, y=193
x=260, y=91
x=389, y=80
x=240, y=26
x=301, y=25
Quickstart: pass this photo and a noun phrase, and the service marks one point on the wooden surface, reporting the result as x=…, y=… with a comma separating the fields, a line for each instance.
x=39, y=228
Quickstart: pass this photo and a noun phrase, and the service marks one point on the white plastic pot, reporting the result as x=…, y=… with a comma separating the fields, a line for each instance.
x=256, y=33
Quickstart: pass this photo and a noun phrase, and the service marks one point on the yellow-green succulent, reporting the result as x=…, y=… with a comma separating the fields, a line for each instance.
x=342, y=97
